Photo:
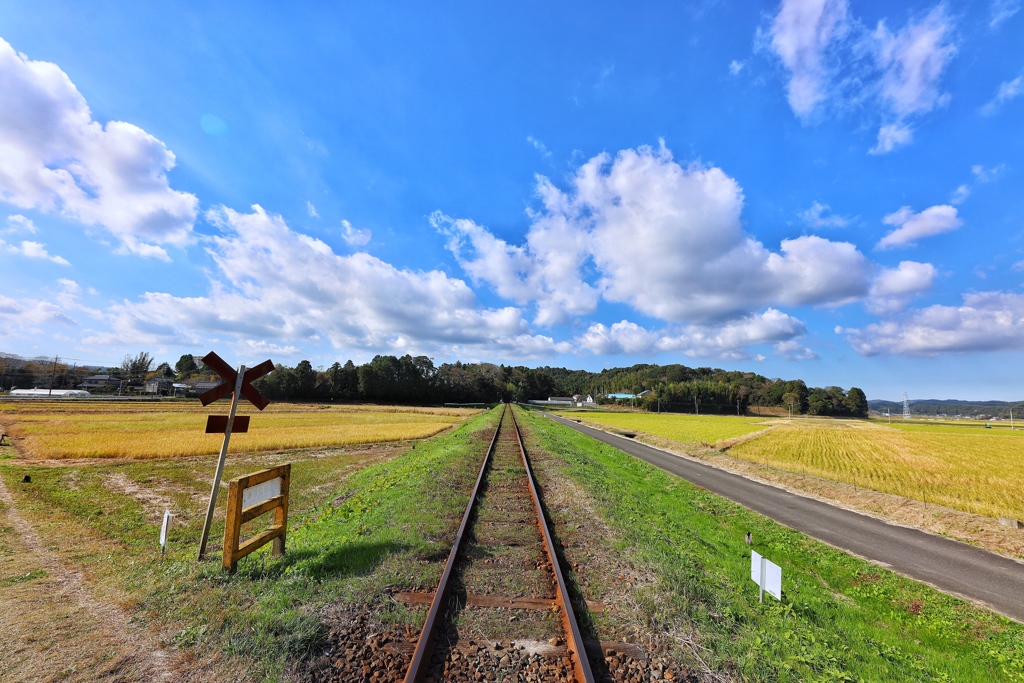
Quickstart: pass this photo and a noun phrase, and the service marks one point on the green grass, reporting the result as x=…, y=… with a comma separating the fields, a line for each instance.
x=841, y=618
x=352, y=534
x=705, y=429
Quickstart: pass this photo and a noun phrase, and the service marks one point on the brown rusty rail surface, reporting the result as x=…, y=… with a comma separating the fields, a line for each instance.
x=422, y=657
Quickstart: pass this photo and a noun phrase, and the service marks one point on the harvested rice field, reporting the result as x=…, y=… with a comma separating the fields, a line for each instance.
x=61, y=430
x=967, y=468
x=693, y=429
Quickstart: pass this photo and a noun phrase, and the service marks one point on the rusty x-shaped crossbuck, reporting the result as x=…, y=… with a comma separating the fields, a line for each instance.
x=230, y=376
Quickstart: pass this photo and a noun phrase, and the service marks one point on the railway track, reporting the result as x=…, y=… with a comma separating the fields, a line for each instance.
x=503, y=573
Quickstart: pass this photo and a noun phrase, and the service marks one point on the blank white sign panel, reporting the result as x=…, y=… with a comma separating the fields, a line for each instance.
x=254, y=495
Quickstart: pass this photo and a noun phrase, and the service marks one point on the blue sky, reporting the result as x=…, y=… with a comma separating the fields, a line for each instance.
x=818, y=189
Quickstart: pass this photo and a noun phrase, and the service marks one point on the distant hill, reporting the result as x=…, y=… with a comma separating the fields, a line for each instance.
x=951, y=407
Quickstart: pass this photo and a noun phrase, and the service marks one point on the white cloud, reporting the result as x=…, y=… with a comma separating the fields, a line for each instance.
x=35, y=250
x=311, y=210
x=800, y=35
x=726, y=341
x=911, y=226
x=960, y=194
x=665, y=239
x=353, y=236
x=1001, y=10
x=539, y=146
x=735, y=67
x=987, y=321
x=56, y=159
x=284, y=287
x=912, y=61
x=1007, y=91
x=891, y=136
x=26, y=317
x=816, y=217
x=1018, y=266
x=18, y=223
x=893, y=288
x=987, y=175
x=794, y=350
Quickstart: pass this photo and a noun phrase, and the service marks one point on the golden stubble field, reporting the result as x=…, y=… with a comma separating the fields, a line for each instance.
x=956, y=465
x=966, y=467
x=63, y=429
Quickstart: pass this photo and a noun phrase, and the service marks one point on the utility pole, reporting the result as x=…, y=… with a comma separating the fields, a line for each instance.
x=1011, y=413
x=696, y=407
x=3, y=373
x=53, y=373
x=737, y=407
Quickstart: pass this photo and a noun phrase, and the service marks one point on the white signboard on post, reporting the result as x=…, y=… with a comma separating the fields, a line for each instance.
x=766, y=574
x=164, y=528
x=254, y=495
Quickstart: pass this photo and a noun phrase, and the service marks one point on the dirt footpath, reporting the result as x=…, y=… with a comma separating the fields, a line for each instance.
x=54, y=627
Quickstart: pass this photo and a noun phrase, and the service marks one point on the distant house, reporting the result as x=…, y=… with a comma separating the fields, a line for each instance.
x=100, y=382
x=621, y=397
x=200, y=387
x=162, y=386
x=589, y=399
x=645, y=392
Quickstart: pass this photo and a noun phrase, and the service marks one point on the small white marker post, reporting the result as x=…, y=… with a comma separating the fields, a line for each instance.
x=220, y=461
x=767, y=575
x=163, y=532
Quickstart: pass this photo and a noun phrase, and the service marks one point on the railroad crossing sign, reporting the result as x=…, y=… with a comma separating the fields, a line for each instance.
x=236, y=384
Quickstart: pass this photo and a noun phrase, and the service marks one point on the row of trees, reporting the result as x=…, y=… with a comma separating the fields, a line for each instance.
x=416, y=380
x=674, y=388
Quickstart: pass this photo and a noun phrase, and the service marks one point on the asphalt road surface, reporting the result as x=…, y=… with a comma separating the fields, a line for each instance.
x=963, y=570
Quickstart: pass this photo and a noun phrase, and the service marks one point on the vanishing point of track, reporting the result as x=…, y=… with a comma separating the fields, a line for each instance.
x=502, y=527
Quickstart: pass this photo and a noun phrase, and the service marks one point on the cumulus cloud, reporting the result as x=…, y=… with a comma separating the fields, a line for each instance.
x=986, y=321
x=56, y=159
x=801, y=33
x=1001, y=10
x=891, y=136
x=353, y=236
x=911, y=226
x=1007, y=91
x=820, y=216
x=794, y=350
x=35, y=250
x=960, y=194
x=663, y=238
x=893, y=288
x=726, y=341
x=28, y=316
x=18, y=223
x=354, y=301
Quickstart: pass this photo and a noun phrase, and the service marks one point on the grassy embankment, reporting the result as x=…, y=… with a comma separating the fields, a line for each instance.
x=354, y=531
x=357, y=532
x=90, y=430
x=960, y=466
x=841, y=618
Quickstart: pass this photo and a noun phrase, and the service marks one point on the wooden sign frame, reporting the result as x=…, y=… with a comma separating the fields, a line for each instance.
x=237, y=515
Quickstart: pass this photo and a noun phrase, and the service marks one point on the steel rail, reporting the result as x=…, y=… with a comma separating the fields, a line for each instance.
x=574, y=639
x=425, y=647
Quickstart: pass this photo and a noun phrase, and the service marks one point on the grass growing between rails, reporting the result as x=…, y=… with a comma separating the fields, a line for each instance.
x=159, y=430
x=840, y=619
x=704, y=429
x=355, y=530
x=965, y=467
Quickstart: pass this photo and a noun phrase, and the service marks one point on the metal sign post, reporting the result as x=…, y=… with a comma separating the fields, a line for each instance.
x=240, y=382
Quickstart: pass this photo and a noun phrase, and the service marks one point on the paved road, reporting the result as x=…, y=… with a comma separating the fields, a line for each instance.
x=950, y=566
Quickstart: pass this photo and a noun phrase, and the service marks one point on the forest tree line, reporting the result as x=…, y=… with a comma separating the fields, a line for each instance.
x=417, y=380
